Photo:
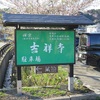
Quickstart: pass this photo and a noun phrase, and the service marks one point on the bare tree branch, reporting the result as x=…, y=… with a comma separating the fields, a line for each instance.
x=62, y=7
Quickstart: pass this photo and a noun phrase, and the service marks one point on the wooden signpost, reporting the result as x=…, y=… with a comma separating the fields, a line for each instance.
x=45, y=47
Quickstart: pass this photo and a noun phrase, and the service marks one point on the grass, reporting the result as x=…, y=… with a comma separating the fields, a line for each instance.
x=82, y=89
x=29, y=78
x=45, y=92
x=50, y=85
x=47, y=84
x=98, y=98
x=79, y=88
x=2, y=94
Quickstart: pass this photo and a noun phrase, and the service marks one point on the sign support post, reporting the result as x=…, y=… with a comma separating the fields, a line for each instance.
x=19, y=82
x=59, y=42
x=71, y=79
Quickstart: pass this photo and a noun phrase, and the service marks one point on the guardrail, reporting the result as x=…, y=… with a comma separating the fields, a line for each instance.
x=7, y=55
x=3, y=49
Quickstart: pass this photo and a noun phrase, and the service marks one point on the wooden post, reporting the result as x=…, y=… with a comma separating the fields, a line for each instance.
x=19, y=82
x=71, y=79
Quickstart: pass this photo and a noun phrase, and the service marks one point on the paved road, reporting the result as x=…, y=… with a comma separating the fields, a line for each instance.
x=89, y=75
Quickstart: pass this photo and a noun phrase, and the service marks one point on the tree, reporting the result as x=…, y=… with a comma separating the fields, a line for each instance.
x=62, y=7
x=57, y=7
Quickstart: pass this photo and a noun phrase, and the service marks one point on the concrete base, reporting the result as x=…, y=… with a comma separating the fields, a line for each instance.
x=19, y=86
x=70, y=84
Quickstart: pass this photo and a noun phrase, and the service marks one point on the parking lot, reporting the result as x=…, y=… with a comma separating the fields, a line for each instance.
x=89, y=75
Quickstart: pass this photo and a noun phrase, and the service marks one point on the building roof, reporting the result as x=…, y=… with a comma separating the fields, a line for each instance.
x=44, y=20
x=93, y=15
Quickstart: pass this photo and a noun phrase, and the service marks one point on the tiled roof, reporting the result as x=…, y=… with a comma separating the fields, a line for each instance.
x=44, y=20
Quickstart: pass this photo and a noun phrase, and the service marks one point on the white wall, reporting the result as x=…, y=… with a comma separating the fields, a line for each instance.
x=93, y=28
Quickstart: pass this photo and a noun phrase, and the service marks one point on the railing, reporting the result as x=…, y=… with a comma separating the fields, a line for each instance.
x=3, y=49
x=6, y=52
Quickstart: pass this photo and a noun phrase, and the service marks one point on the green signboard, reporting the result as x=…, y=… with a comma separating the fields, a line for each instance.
x=43, y=47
